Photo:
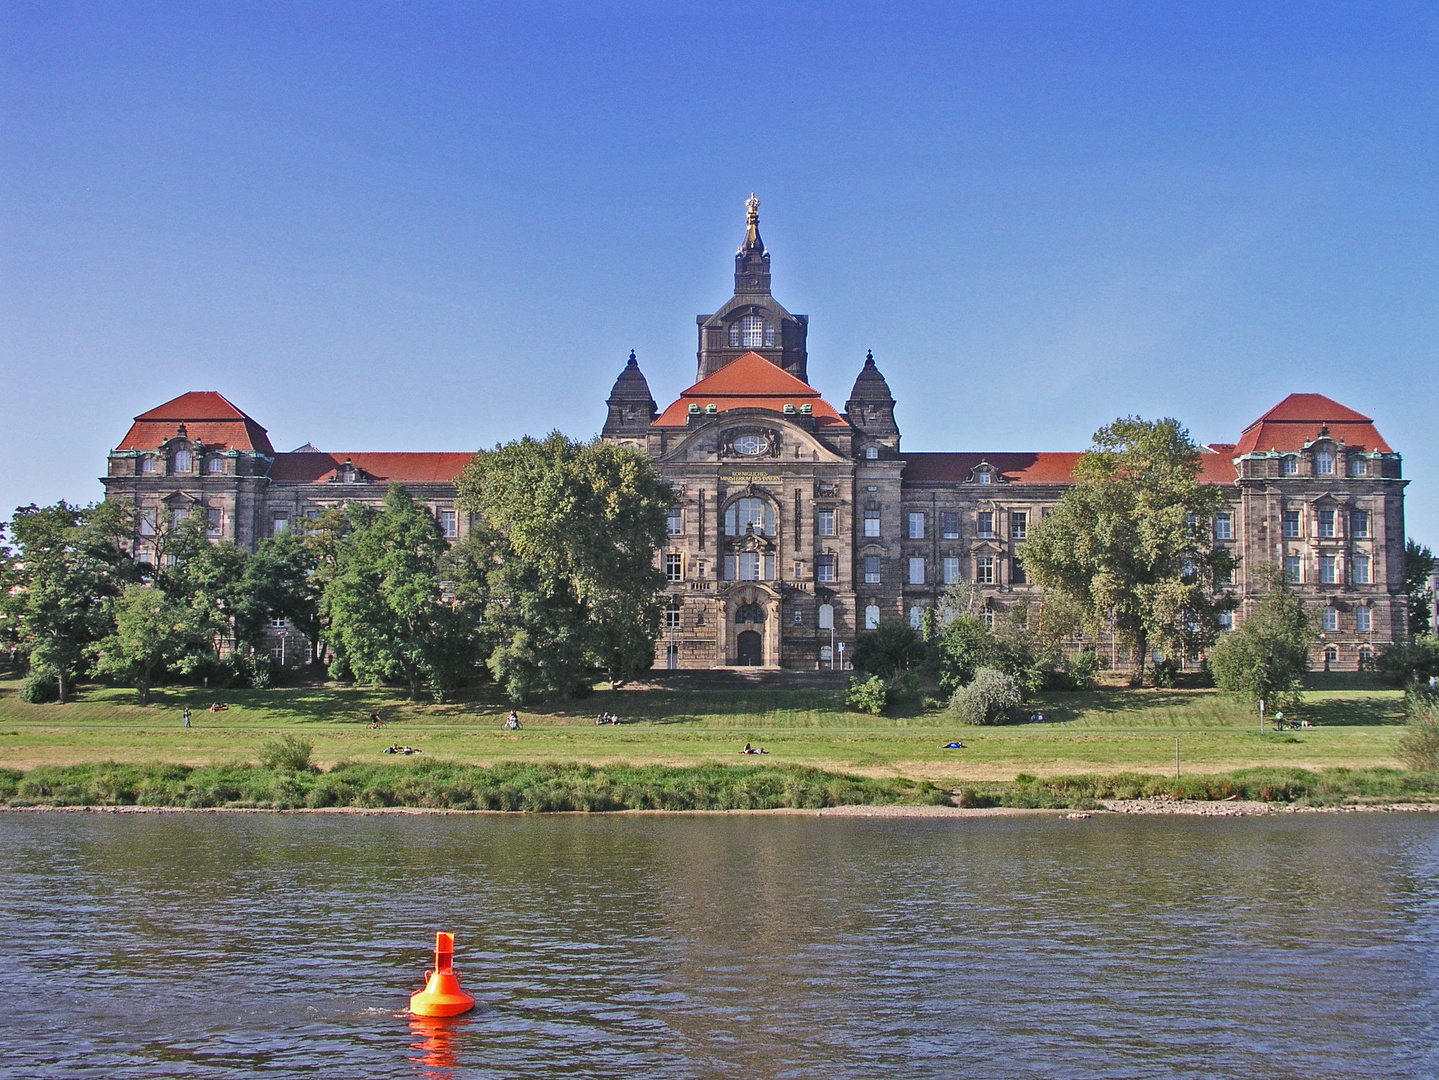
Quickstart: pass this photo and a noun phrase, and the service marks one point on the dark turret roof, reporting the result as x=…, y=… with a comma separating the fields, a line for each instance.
x=870, y=385
x=631, y=387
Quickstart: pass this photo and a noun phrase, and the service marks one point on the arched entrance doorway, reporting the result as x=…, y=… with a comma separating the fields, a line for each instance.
x=750, y=648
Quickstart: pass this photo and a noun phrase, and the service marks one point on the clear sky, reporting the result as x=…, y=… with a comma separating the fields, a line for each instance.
x=430, y=226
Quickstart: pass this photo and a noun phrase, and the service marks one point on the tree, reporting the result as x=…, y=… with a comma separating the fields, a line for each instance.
x=66, y=569
x=152, y=632
x=1132, y=542
x=1266, y=657
x=573, y=586
x=892, y=646
x=388, y=616
x=282, y=579
x=1419, y=564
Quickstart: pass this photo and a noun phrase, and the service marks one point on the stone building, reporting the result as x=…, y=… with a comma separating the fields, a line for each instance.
x=799, y=525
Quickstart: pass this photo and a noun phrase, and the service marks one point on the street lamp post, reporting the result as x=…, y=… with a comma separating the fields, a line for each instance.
x=284, y=634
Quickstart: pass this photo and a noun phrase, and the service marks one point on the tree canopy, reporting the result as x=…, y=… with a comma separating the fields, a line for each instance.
x=1418, y=566
x=1132, y=542
x=1266, y=657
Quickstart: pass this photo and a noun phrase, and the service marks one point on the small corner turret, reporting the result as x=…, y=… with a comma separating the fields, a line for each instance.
x=631, y=407
x=870, y=407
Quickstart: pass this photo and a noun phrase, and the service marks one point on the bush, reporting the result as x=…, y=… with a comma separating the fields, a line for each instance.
x=991, y=698
x=39, y=688
x=869, y=696
x=902, y=686
x=1419, y=745
x=1166, y=674
x=1076, y=673
x=288, y=752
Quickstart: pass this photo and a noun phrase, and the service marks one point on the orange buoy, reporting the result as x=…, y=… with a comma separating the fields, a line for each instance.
x=442, y=995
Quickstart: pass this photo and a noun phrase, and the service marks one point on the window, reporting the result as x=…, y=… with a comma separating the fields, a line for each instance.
x=916, y=570
x=871, y=569
x=700, y=569
x=750, y=445
x=1223, y=527
x=1366, y=658
x=1326, y=523
x=986, y=524
x=746, y=566
x=675, y=521
x=826, y=616
x=1331, y=619
x=871, y=523
x=212, y=521
x=824, y=568
x=1331, y=656
x=672, y=615
x=1225, y=576
x=700, y=617
x=871, y=453
x=1359, y=523
x=798, y=570
x=985, y=477
x=1363, y=620
x=1290, y=466
x=1018, y=524
x=743, y=514
x=1324, y=463
x=1187, y=568
x=798, y=617
x=916, y=618
x=180, y=463
x=916, y=526
x=751, y=332
x=826, y=654
x=147, y=465
x=824, y=523
x=1293, y=570
x=871, y=617
x=951, y=569
x=178, y=516
x=1226, y=621
x=1328, y=570
x=1291, y=523
x=147, y=522
x=1017, y=576
x=984, y=570
x=949, y=525
x=215, y=465
x=674, y=567
x=1358, y=467
x=986, y=616
x=449, y=524
x=279, y=522
x=1359, y=565
x=279, y=623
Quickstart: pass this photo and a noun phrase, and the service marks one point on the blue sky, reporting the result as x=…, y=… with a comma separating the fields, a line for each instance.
x=440, y=226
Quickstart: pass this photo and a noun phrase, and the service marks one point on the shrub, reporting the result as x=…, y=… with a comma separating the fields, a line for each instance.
x=39, y=688
x=991, y=698
x=1080, y=670
x=1166, y=674
x=869, y=696
x=1419, y=745
x=902, y=686
x=289, y=752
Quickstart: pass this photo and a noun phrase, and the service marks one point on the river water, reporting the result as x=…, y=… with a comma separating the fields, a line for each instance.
x=208, y=945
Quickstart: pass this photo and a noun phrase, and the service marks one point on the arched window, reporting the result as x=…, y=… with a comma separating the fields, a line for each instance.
x=749, y=613
x=1358, y=467
x=1331, y=654
x=871, y=453
x=871, y=617
x=147, y=464
x=180, y=463
x=751, y=332
x=742, y=513
x=826, y=616
x=1366, y=658
x=1324, y=463
x=916, y=617
x=215, y=465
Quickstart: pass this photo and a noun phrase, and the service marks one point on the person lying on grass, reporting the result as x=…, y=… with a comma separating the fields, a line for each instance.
x=748, y=749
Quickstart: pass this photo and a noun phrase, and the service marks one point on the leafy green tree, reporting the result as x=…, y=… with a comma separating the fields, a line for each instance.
x=1132, y=542
x=211, y=578
x=573, y=586
x=66, y=570
x=965, y=646
x=152, y=632
x=892, y=646
x=991, y=697
x=281, y=577
x=1418, y=566
x=1266, y=657
x=388, y=615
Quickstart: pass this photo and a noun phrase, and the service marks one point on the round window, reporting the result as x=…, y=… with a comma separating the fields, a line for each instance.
x=750, y=445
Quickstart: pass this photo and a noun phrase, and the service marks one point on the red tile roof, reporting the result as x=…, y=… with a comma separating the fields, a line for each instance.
x=316, y=468
x=750, y=382
x=1030, y=468
x=208, y=418
x=1296, y=421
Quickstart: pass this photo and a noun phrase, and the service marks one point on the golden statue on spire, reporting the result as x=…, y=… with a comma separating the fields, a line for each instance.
x=751, y=206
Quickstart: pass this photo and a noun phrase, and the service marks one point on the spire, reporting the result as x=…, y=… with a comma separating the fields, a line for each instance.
x=751, y=261
x=631, y=406
x=871, y=406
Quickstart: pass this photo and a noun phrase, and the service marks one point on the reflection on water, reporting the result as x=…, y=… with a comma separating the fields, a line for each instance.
x=776, y=947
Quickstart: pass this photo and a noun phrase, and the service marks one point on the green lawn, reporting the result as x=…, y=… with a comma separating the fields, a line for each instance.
x=1101, y=731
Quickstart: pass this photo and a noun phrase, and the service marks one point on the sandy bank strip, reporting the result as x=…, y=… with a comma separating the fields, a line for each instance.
x=1109, y=807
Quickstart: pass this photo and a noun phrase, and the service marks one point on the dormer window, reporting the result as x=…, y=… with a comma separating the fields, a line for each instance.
x=1324, y=463
x=214, y=465
x=984, y=476
x=180, y=463
x=1358, y=467
x=871, y=453
x=751, y=332
x=147, y=465
x=1290, y=467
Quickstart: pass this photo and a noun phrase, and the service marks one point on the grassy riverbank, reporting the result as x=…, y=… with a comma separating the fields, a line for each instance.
x=1102, y=732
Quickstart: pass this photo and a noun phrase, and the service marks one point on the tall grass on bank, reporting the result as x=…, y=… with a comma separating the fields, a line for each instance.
x=1327, y=787
x=444, y=785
